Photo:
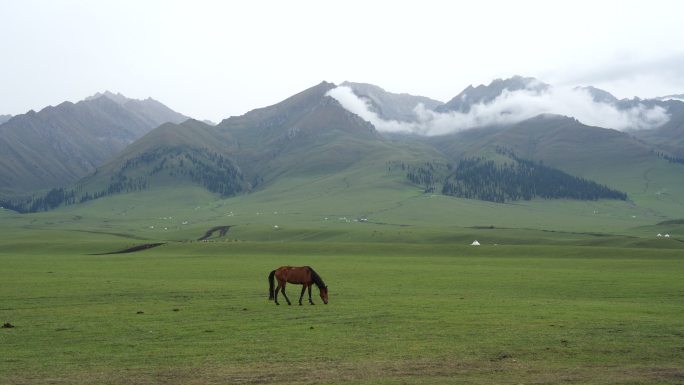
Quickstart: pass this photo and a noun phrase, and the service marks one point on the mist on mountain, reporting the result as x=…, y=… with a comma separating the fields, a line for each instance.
x=497, y=104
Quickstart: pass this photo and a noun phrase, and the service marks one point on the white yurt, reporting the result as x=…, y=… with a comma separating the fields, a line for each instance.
x=475, y=243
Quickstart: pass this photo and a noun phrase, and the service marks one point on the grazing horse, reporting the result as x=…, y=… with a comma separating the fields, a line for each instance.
x=303, y=275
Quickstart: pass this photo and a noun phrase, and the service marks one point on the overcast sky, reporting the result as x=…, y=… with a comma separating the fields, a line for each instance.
x=214, y=59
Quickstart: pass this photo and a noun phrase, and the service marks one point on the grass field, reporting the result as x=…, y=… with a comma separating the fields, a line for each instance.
x=560, y=291
x=418, y=313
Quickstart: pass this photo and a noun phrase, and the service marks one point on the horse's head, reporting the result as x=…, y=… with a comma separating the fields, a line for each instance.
x=324, y=294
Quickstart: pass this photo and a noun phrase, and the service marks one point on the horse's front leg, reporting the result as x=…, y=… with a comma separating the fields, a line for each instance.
x=285, y=295
x=310, y=301
x=302, y=295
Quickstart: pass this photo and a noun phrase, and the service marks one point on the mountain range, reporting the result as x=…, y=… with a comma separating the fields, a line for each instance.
x=59, y=145
x=142, y=145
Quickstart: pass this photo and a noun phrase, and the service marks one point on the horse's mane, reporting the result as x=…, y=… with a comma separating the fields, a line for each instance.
x=317, y=279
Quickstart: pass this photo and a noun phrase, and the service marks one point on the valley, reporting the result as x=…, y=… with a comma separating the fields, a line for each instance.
x=152, y=267
x=478, y=193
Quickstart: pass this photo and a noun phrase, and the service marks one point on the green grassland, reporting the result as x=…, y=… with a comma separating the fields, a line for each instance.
x=369, y=190
x=399, y=313
x=560, y=291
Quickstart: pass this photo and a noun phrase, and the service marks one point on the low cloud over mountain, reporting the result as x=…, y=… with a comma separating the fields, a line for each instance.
x=506, y=106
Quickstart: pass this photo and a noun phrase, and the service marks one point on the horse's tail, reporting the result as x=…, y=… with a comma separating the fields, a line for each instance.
x=270, y=285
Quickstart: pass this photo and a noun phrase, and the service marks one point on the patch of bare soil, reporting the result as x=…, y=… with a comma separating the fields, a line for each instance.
x=222, y=230
x=133, y=249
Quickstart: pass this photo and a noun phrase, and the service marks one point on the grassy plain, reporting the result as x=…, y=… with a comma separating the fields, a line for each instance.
x=560, y=291
x=412, y=312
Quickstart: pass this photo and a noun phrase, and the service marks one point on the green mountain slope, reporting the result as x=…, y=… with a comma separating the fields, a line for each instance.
x=171, y=154
x=308, y=135
x=557, y=141
x=606, y=156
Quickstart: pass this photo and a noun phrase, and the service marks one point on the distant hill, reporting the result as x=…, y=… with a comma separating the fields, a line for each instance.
x=391, y=106
x=4, y=118
x=591, y=152
x=59, y=145
x=191, y=152
x=520, y=179
x=304, y=134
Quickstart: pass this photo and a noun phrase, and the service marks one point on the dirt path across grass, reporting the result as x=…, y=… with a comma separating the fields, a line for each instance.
x=133, y=249
x=223, y=230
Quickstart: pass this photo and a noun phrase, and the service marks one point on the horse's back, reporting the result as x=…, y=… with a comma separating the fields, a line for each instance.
x=294, y=274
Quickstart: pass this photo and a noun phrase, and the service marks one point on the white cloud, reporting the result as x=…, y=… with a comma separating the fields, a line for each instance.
x=511, y=107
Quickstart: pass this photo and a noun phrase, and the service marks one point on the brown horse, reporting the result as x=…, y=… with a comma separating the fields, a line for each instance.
x=303, y=275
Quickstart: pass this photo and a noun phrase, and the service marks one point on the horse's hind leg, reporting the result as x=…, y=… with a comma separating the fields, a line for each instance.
x=285, y=295
x=276, y=293
x=302, y=295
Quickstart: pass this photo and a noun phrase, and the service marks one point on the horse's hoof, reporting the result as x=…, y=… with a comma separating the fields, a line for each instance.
x=277, y=303
x=312, y=303
x=300, y=304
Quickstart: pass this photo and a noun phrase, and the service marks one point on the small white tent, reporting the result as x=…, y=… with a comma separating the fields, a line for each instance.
x=475, y=243
x=667, y=235
x=659, y=235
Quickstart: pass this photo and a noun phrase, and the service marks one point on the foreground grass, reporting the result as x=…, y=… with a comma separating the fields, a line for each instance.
x=197, y=313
